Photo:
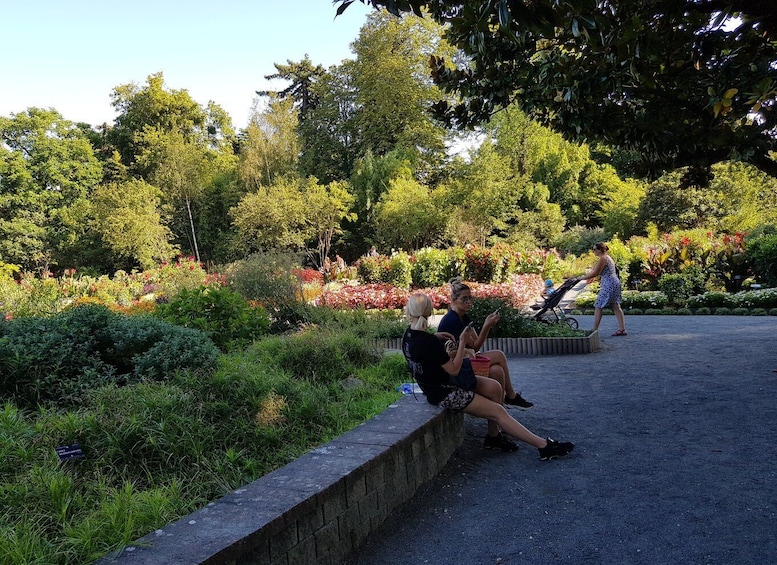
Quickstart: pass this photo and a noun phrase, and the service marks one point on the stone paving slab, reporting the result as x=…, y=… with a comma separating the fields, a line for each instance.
x=675, y=460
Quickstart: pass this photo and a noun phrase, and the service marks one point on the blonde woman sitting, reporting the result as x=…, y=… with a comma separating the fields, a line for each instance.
x=433, y=370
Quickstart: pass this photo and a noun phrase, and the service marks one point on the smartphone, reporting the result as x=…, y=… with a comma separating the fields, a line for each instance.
x=471, y=325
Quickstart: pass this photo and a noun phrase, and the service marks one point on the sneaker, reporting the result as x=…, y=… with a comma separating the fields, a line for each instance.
x=555, y=449
x=500, y=442
x=518, y=401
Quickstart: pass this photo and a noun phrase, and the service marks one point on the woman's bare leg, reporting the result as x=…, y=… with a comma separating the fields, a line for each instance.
x=492, y=390
x=597, y=318
x=492, y=411
x=618, y=311
x=498, y=358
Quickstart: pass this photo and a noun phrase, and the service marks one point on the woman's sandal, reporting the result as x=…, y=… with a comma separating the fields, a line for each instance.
x=620, y=332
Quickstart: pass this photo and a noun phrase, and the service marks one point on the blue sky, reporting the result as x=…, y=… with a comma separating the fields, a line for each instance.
x=70, y=54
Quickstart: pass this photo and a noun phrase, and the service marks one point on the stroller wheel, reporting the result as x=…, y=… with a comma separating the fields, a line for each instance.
x=572, y=323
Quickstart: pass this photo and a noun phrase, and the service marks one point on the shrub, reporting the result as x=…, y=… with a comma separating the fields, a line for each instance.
x=703, y=311
x=740, y=312
x=758, y=312
x=653, y=311
x=773, y=311
x=766, y=298
x=513, y=323
x=634, y=311
x=220, y=313
x=712, y=299
x=481, y=264
x=762, y=256
x=644, y=299
x=683, y=312
x=57, y=359
x=400, y=270
x=429, y=268
x=267, y=278
x=318, y=356
x=370, y=269
x=667, y=311
x=722, y=311
x=678, y=287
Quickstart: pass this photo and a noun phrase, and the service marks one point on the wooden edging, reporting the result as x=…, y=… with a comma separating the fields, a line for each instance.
x=527, y=345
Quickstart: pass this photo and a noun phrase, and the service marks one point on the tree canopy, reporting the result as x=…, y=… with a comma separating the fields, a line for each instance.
x=686, y=84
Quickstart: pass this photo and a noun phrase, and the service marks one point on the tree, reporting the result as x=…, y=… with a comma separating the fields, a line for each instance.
x=273, y=217
x=129, y=220
x=393, y=88
x=327, y=207
x=269, y=149
x=687, y=84
x=303, y=77
x=47, y=172
x=329, y=134
x=408, y=217
x=154, y=107
x=180, y=169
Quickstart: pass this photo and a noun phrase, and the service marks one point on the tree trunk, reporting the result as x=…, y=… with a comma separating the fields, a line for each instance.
x=191, y=223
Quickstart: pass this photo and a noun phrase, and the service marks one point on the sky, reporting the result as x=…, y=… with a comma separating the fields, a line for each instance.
x=70, y=54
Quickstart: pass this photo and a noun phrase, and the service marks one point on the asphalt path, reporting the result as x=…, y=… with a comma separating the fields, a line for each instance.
x=675, y=458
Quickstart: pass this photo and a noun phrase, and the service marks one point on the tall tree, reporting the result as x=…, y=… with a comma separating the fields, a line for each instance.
x=153, y=107
x=270, y=148
x=408, y=216
x=47, y=172
x=272, y=217
x=394, y=90
x=180, y=169
x=303, y=76
x=128, y=218
x=327, y=207
x=330, y=134
x=683, y=83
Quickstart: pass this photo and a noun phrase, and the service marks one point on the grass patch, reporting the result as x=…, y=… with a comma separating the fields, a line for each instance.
x=157, y=451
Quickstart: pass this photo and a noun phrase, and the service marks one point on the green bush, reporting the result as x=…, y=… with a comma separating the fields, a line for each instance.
x=400, y=270
x=722, y=311
x=320, y=356
x=773, y=311
x=644, y=299
x=430, y=268
x=740, y=312
x=481, y=264
x=712, y=299
x=761, y=253
x=703, y=311
x=157, y=451
x=683, y=312
x=57, y=359
x=653, y=311
x=513, y=323
x=267, y=278
x=220, y=313
x=676, y=287
x=634, y=311
x=758, y=312
x=370, y=270
x=367, y=324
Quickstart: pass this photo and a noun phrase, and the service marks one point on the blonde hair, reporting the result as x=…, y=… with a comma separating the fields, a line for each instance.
x=457, y=287
x=418, y=309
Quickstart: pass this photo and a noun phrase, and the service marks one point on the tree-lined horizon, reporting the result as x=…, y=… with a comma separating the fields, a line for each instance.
x=337, y=161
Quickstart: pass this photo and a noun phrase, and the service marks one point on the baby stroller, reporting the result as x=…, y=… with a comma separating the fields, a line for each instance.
x=549, y=311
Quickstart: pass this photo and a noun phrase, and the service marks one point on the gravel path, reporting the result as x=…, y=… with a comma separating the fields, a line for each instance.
x=675, y=460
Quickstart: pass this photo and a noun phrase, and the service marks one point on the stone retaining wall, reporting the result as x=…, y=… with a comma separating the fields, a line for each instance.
x=319, y=508
x=527, y=345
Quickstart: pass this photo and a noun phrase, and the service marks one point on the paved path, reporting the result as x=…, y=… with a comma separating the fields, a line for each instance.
x=675, y=461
